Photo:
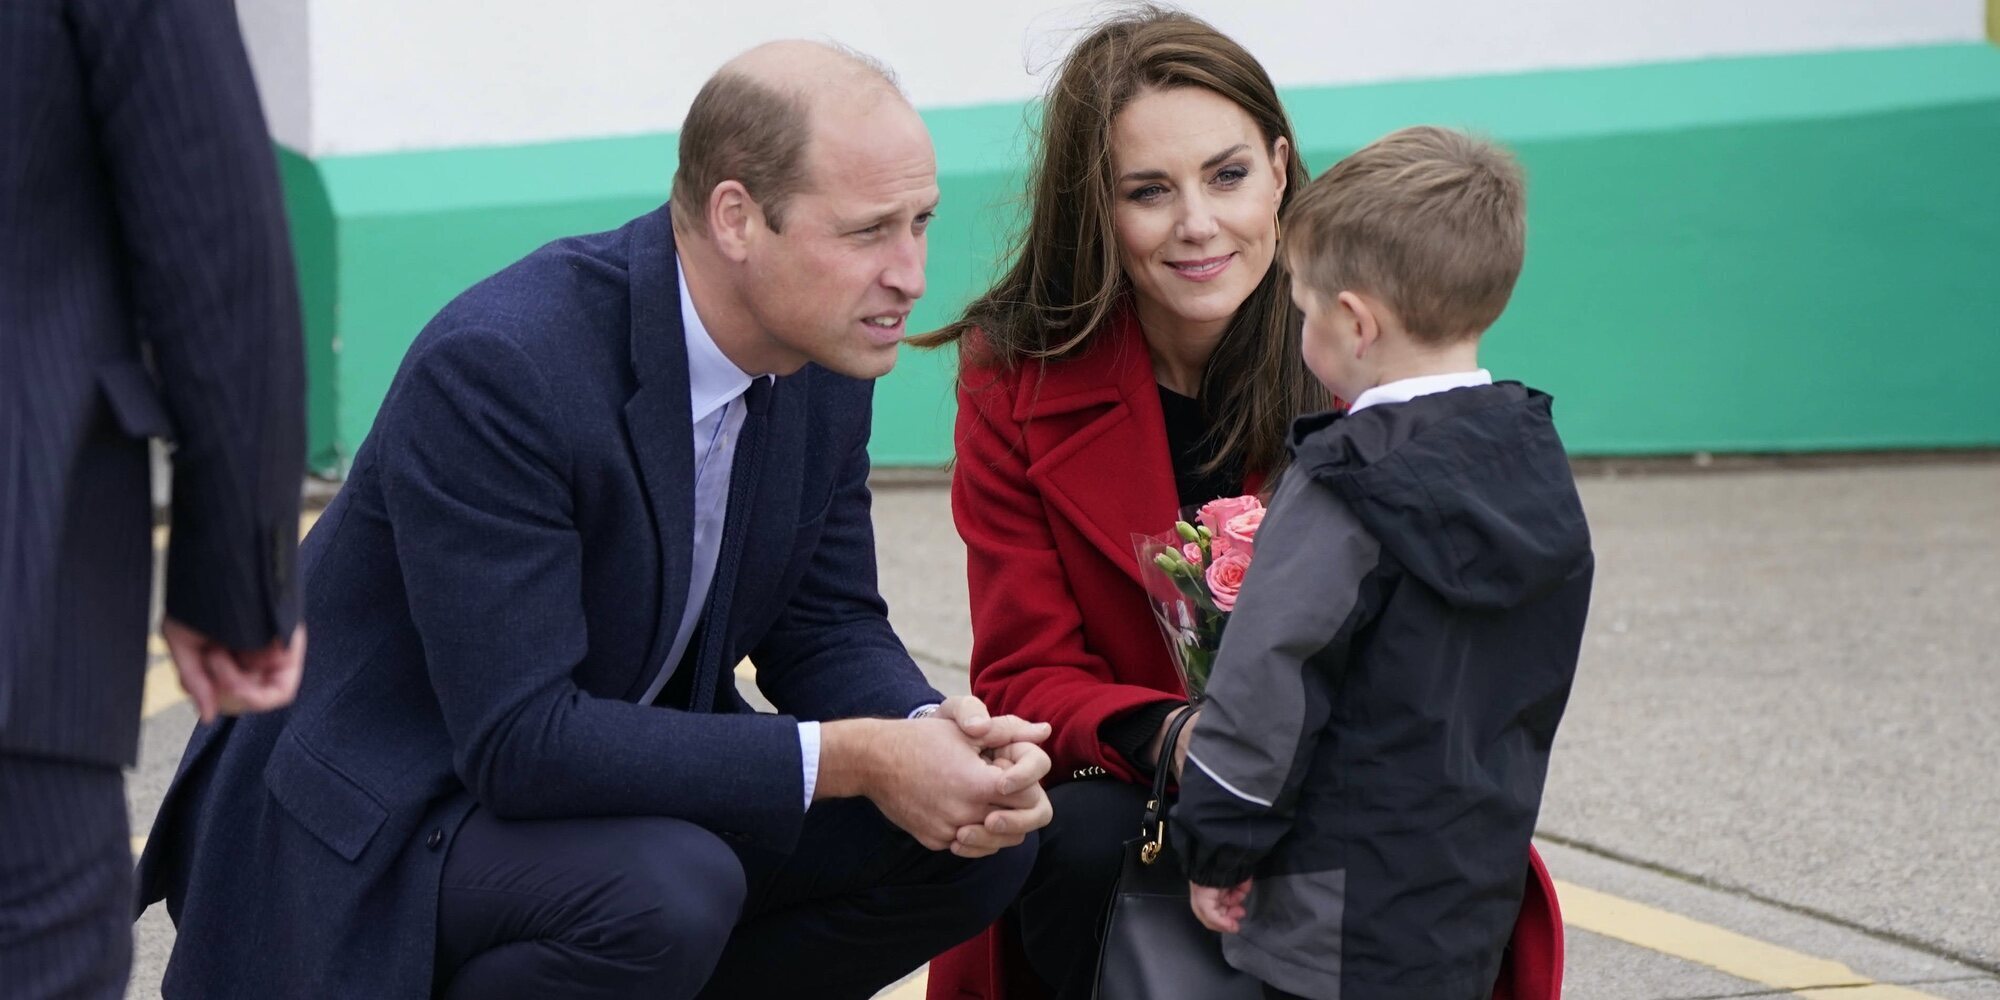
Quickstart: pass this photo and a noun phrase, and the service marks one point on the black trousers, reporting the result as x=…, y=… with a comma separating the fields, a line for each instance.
x=65, y=879
x=664, y=909
x=1060, y=915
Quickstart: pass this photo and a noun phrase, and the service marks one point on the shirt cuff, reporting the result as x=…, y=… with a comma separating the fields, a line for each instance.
x=809, y=754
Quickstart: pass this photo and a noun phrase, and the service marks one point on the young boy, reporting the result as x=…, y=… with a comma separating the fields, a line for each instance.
x=1377, y=729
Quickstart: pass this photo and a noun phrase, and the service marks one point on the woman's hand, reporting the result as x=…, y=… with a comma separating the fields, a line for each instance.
x=1181, y=744
x=1155, y=748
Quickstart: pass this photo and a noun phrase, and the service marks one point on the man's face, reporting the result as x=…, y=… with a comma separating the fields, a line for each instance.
x=836, y=285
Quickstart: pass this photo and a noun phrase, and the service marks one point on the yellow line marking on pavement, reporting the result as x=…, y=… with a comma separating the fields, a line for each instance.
x=1725, y=951
x=163, y=687
x=163, y=682
x=911, y=988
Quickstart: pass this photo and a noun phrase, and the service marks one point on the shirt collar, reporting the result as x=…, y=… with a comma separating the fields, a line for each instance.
x=1405, y=389
x=713, y=379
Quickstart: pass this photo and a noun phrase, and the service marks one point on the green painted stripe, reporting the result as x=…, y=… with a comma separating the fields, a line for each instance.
x=1782, y=253
x=501, y=176
x=1520, y=107
x=1661, y=97
x=312, y=230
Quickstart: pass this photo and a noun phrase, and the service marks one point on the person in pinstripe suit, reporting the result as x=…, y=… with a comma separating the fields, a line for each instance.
x=146, y=290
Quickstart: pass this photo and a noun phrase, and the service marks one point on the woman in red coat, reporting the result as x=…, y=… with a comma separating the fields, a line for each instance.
x=1138, y=359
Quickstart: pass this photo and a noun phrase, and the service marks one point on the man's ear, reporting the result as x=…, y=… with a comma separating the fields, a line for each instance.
x=734, y=219
x=1367, y=324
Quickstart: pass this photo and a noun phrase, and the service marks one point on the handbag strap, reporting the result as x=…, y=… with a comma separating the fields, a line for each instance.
x=1154, y=827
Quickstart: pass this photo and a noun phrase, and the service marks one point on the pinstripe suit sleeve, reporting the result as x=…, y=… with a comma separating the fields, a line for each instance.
x=197, y=197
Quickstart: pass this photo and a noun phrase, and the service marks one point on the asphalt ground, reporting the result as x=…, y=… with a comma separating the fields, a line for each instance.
x=1774, y=778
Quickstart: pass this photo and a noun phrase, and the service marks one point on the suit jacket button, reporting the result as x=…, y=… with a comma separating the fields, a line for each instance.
x=436, y=840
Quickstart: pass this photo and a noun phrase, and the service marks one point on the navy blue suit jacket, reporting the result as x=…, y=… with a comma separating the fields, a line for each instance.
x=146, y=290
x=500, y=577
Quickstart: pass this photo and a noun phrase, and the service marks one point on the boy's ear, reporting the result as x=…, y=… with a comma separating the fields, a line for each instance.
x=1367, y=324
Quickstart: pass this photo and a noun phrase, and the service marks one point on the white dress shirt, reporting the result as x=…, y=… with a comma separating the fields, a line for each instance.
x=1405, y=389
x=717, y=410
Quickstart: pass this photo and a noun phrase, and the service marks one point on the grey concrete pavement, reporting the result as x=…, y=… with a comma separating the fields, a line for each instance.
x=1789, y=688
x=922, y=569
x=1784, y=724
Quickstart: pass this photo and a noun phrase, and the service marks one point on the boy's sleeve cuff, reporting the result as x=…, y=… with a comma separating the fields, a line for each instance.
x=1217, y=876
x=1219, y=867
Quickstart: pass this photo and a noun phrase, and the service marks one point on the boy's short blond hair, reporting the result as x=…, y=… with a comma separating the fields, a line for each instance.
x=1430, y=222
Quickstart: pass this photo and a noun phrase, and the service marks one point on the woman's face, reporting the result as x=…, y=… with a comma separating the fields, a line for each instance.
x=1196, y=192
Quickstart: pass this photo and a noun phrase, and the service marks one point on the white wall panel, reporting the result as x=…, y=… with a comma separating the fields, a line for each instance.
x=396, y=74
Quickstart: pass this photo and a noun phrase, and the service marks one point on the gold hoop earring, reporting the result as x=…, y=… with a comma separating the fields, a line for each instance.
x=1277, y=229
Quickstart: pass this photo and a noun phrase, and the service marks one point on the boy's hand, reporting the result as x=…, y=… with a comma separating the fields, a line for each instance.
x=1219, y=910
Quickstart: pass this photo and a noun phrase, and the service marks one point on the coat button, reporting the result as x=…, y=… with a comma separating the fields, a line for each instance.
x=436, y=840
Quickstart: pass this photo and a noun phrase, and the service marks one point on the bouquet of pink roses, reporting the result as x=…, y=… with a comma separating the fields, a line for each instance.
x=1192, y=575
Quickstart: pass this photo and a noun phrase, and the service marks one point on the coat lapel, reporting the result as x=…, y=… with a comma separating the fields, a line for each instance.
x=1101, y=443
x=659, y=426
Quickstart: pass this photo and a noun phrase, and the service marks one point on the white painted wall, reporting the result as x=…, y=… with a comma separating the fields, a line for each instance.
x=384, y=75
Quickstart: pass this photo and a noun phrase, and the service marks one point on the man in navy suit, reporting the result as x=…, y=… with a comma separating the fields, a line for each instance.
x=146, y=290
x=519, y=766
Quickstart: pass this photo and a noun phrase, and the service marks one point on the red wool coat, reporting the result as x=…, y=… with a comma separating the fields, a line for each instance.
x=1053, y=477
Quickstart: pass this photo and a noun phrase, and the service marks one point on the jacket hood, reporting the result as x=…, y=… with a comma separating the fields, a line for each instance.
x=1469, y=489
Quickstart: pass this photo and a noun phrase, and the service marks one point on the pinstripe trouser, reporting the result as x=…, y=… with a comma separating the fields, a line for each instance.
x=65, y=879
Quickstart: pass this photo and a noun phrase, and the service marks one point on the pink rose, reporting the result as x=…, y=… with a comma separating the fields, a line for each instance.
x=1225, y=578
x=1216, y=513
x=1192, y=551
x=1241, y=530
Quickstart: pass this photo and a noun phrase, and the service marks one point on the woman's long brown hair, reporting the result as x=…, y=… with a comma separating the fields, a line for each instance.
x=1065, y=281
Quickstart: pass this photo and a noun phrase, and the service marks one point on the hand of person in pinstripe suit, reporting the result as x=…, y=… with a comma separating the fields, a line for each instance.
x=224, y=681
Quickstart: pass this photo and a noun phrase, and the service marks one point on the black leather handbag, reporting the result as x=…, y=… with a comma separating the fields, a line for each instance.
x=1154, y=948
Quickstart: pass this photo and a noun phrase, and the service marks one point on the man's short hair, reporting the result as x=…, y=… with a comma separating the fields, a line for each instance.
x=1429, y=221
x=745, y=129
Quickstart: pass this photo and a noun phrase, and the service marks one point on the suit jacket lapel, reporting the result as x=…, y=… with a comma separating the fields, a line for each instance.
x=1106, y=467
x=659, y=426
